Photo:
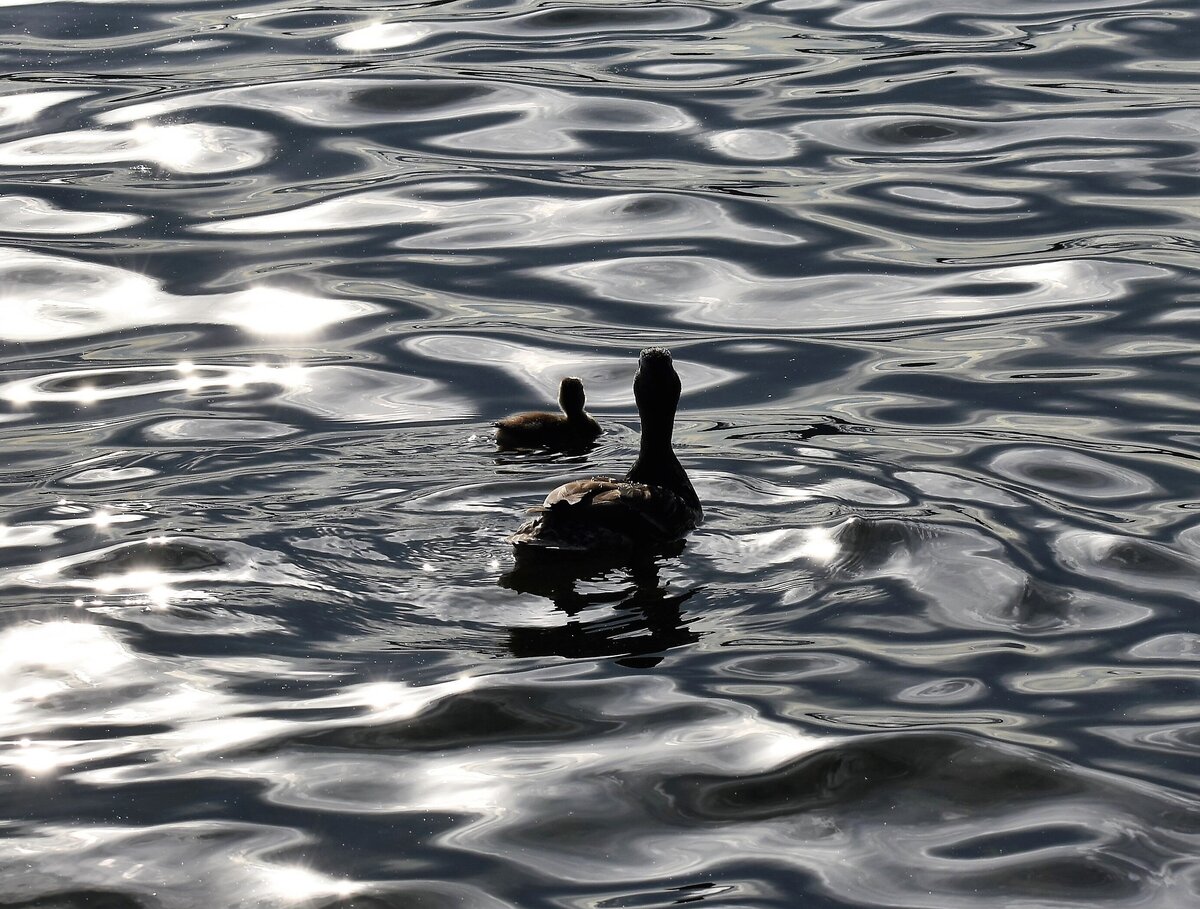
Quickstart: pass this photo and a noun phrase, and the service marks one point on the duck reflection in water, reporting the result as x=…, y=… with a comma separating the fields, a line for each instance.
x=573, y=430
x=640, y=619
x=588, y=528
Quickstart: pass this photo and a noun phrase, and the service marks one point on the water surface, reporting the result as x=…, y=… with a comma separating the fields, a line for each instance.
x=929, y=275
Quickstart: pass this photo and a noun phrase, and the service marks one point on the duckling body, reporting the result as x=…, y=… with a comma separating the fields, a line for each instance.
x=571, y=430
x=652, y=505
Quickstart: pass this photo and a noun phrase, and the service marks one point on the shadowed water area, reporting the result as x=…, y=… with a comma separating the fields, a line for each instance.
x=928, y=271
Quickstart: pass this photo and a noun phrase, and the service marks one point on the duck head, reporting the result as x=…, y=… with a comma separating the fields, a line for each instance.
x=656, y=389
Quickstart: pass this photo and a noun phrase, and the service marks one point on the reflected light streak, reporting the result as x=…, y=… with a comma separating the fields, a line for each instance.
x=35, y=759
x=296, y=883
x=384, y=696
x=48, y=297
x=79, y=650
x=34, y=690
x=144, y=580
x=176, y=147
x=218, y=733
x=450, y=786
x=148, y=584
x=383, y=35
x=291, y=375
x=541, y=368
x=18, y=394
x=20, y=108
x=280, y=312
x=44, y=535
x=101, y=520
x=31, y=215
x=720, y=293
x=820, y=545
x=396, y=699
x=152, y=380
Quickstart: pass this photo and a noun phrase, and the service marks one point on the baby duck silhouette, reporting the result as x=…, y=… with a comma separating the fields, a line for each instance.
x=573, y=430
x=652, y=506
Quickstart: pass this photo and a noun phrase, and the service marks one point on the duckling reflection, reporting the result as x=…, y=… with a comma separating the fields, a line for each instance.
x=641, y=621
x=573, y=430
x=653, y=506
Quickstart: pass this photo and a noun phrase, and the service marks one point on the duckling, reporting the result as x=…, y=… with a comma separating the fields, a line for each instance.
x=652, y=506
x=573, y=430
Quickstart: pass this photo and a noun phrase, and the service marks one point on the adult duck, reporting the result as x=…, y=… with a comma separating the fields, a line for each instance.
x=572, y=430
x=652, y=506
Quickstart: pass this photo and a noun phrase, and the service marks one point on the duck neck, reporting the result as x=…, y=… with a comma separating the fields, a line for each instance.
x=656, y=440
x=657, y=465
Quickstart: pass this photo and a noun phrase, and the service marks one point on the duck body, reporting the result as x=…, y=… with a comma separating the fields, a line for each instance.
x=572, y=430
x=653, y=505
x=546, y=430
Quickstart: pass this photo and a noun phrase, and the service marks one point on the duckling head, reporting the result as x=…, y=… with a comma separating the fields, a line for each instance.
x=570, y=396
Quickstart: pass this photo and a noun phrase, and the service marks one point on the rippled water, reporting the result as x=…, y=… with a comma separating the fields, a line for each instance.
x=929, y=274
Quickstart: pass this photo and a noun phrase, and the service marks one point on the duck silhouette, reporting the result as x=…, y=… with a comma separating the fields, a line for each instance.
x=653, y=506
x=572, y=430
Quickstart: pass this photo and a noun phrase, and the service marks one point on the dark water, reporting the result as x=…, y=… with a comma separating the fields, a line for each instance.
x=929, y=273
